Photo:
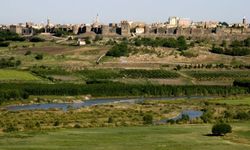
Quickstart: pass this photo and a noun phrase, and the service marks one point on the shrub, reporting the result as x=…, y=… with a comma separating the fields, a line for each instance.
x=77, y=126
x=119, y=50
x=221, y=129
x=110, y=120
x=171, y=121
x=148, y=119
x=36, y=39
x=39, y=57
x=27, y=53
x=189, y=54
x=242, y=116
x=57, y=123
x=4, y=44
x=207, y=116
x=10, y=128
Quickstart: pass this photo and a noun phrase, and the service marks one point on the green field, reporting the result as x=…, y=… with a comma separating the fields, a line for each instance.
x=176, y=137
x=14, y=75
x=234, y=101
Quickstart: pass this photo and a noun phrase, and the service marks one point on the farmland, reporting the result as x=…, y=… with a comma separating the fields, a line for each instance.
x=55, y=71
x=14, y=75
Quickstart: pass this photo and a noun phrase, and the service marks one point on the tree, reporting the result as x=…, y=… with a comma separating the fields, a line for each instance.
x=221, y=129
x=182, y=44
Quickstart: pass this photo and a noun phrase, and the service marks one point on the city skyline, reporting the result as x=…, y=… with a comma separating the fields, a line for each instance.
x=149, y=11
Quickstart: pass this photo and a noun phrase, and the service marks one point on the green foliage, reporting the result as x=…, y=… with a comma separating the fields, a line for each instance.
x=221, y=129
x=27, y=53
x=148, y=119
x=7, y=94
x=182, y=44
x=189, y=54
x=243, y=83
x=36, y=39
x=11, y=128
x=137, y=73
x=247, y=42
x=4, y=44
x=100, y=74
x=237, y=48
x=119, y=50
x=210, y=75
x=110, y=120
x=207, y=116
x=120, y=89
x=57, y=123
x=179, y=43
x=39, y=57
x=11, y=62
x=61, y=33
x=10, y=36
x=242, y=115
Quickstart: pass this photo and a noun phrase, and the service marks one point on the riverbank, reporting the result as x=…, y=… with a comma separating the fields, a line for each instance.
x=123, y=114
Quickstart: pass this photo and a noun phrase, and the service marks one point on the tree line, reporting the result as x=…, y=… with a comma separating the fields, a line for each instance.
x=120, y=89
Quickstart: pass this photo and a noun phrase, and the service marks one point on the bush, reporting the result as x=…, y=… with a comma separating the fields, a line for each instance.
x=221, y=129
x=119, y=50
x=77, y=126
x=39, y=57
x=242, y=116
x=207, y=116
x=189, y=54
x=36, y=39
x=110, y=120
x=27, y=53
x=148, y=119
x=57, y=123
x=7, y=63
x=4, y=44
x=10, y=128
x=243, y=83
x=10, y=36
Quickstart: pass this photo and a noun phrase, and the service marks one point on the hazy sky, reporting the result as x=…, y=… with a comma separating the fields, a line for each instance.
x=84, y=11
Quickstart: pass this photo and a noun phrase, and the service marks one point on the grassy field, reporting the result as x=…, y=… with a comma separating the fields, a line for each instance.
x=176, y=137
x=14, y=75
x=234, y=101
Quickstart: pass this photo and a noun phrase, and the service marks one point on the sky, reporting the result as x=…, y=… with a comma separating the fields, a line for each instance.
x=84, y=11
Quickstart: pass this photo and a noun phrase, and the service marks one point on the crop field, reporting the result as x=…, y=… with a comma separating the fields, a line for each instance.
x=14, y=75
x=211, y=75
x=176, y=137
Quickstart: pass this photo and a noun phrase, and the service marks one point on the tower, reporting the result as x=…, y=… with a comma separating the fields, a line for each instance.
x=125, y=28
